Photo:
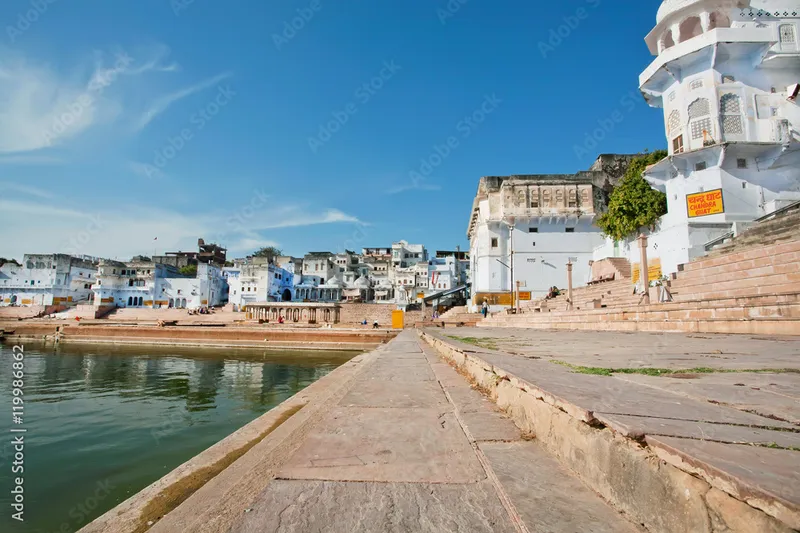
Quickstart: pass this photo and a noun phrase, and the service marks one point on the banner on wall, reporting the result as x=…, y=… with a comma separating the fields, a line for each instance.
x=653, y=270
x=702, y=204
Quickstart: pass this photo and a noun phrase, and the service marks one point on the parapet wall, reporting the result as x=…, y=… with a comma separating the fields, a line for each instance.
x=353, y=314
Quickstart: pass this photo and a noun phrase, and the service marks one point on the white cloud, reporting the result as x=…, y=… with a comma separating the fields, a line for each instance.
x=41, y=107
x=30, y=160
x=40, y=226
x=161, y=105
x=6, y=187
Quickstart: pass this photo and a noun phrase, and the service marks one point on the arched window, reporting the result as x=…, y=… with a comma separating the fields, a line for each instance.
x=691, y=27
x=572, y=198
x=546, y=198
x=730, y=107
x=667, y=41
x=535, y=197
x=674, y=122
x=700, y=119
x=718, y=20
x=140, y=300
x=130, y=300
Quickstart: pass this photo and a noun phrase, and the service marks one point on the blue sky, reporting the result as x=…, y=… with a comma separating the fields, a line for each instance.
x=122, y=122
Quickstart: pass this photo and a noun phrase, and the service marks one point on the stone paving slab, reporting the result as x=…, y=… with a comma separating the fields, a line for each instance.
x=337, y=507
x=764, y=477
x=490, y=426
x=548, y=496
x=390, y=445
x=637, y=426
x=604, y=394
x=737, y=394
x=395, y=393
x=398, y=371
x=635, y=350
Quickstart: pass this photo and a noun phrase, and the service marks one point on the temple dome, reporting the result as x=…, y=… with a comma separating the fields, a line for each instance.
x=362, y=283
x=334, y=282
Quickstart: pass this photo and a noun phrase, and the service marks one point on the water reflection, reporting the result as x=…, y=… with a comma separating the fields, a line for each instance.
x=125, y=416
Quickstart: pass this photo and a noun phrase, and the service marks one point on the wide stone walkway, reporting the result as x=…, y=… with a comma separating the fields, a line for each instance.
x=730, y=416
x=412, y=447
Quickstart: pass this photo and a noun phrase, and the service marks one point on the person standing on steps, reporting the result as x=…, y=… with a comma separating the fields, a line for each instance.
x=484, y=308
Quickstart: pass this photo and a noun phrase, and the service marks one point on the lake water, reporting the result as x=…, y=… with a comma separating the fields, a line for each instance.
x=103, y=422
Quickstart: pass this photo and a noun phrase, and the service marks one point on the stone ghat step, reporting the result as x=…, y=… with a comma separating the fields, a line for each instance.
x=747, y=265
x=716, y=293
x=668, y=461
x=763, y=277
x=788, y=327
x=786, y=226
x=754, y=253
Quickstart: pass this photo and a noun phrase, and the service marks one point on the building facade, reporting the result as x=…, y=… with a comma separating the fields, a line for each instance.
x=726, y=75
x=257, y=279
x=526, y=228
x=47, y=279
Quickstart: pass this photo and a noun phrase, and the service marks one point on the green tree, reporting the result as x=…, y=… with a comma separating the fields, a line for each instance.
x=268, y=251
x=634, y=204
x=3, y=261
x=188, y=270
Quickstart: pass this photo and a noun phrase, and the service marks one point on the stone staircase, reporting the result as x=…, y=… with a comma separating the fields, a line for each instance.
x=749, y=285
x=456, y=316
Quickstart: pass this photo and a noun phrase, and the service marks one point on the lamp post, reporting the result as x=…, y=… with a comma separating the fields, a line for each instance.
x=510, y=224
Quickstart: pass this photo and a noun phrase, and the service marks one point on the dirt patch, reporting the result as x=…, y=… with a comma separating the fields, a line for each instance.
x=174, y=495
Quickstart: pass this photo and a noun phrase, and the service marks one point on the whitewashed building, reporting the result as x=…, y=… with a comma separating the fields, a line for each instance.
x=144, y=283
x=47, y=279
x=256, y=279
x=528, y=227
x=726, y=75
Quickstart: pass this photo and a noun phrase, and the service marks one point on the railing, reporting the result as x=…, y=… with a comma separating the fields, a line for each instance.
x=722, y=238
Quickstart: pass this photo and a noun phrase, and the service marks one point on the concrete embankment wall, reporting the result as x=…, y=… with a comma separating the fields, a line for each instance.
x=221, y=336
x=627, y=474
x=356, y=313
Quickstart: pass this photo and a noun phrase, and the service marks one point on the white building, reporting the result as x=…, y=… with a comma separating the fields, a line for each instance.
x=535, y=225
x=726, y=75
x=405, y=255
x=144, y=283
x=256, y=279
x=47, y=279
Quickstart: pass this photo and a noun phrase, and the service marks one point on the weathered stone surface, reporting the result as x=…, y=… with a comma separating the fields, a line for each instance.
x=547, y=495
x=768, y=479
x=729, y=515
x=638, y=426
x=335, y=507
x=377, y=444
x=603, y=394
x=395, y=393
x=737, y=394
x=490, y=425
x=401, y=371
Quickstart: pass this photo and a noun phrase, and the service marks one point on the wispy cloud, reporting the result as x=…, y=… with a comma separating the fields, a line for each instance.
x=163, y=103
x=30, y=160
x=41, y=107
x=130, y=230
x=7, y=187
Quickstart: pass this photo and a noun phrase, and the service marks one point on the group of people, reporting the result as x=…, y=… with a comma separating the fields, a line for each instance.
x=200, y=311
x=375, y=324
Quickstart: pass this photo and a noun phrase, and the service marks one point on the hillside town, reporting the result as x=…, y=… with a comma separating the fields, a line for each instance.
x=401, y=275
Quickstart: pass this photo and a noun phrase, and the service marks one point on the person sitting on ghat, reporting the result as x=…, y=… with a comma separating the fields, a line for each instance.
x=280, y=319
x=375, y=325
x=364, y=323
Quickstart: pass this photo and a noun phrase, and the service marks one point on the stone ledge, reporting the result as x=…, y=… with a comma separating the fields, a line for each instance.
x=628, y=474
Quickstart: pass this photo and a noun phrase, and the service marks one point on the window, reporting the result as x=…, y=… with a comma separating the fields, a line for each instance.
x=494, y=242
x=677, y=145
x=744, y=185
x=741, y=163
x=533, y=230
x=570, y=230
x=727, y=78
x=701, y=128
x=730, y=106
x=788, y=38
x=674, y=122
x=700, y=166
x=535, y=198
x=572, y=198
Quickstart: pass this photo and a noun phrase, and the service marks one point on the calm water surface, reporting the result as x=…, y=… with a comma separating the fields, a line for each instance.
x=104, y=422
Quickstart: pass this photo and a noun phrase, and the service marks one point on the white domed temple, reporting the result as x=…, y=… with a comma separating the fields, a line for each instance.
x=726, y=74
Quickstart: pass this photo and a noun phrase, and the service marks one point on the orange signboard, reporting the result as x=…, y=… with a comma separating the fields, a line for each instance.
x=653, y=270
x=702, y=204
x=524, y=296
x=398, y=317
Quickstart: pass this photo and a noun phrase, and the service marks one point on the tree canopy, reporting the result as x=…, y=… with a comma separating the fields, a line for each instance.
x=268, y=251
x=188, y=270
x=634, y=204
x=3, y=261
